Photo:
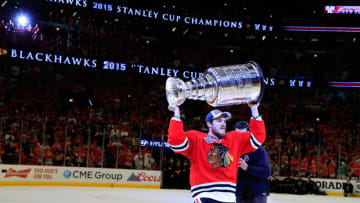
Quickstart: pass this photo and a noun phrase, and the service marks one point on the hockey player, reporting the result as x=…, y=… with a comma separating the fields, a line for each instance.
x=215, y=156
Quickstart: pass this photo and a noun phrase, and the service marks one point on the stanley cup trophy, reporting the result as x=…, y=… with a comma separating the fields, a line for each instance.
x=220, y=86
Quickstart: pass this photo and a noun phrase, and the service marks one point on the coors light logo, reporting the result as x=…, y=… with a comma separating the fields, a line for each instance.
x=143, y=177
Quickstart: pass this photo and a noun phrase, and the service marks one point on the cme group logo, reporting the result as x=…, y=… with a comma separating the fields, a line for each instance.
x=67, y=174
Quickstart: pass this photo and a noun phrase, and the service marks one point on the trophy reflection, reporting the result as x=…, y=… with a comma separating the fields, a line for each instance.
x=220, y=86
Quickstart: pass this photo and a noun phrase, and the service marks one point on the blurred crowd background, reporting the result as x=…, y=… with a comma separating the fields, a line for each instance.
x=61, y=115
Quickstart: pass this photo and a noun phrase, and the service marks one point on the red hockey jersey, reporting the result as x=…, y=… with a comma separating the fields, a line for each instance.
x=214, y=164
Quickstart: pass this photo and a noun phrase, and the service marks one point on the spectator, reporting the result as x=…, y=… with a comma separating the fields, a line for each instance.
x=9, y=156
x=313, y=168
x=48, y=157
x=324, y=170
x=149, y=161
x=301, y=187
x=294, y=163
x=38, y=152
x=332, y=169
x=177, y=176
x=31, y=159
x=168, y=171
x=275, y=169
x=185, y=174
x=355, y=168
x=312, y=188
x=58, y=154
x=348, y=188
x=92, y=159
x=343, y=170
x=273, y=184
x=129, y=158
x=303, y=167
x=122, y=152
x=8, y=138
x=80, y=156
x=288, y=185
x=284, y=166
x=25, y=145
x=139, y=160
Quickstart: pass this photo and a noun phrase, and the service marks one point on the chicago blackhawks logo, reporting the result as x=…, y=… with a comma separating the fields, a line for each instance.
x=219, y=156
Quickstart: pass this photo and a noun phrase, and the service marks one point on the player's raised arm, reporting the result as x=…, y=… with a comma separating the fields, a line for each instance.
x=257, y=126
x=257, y=132
x=177, y=138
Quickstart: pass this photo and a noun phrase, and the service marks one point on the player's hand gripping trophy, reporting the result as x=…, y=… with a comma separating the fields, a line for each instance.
x=220, y=86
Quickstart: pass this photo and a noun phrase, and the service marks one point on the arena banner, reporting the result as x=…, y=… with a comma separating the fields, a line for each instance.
x=53, y=175
x=38, y=57
x=33, y=56
x=343, y=84
x=335, y=9
x=157, y=16
x=333, y=186
x=320, y=29
x=155, y=143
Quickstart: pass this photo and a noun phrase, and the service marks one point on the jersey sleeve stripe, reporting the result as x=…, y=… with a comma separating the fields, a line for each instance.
x=253, y=144
x=180, y=145
x=255, y=140
x=180, y=149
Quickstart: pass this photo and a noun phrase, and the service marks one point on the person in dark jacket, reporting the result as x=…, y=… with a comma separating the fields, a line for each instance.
x=288, y=185
x=300, y=187
x=274, y=184
x=348, y=189
x=254, y=171
x=312, y=188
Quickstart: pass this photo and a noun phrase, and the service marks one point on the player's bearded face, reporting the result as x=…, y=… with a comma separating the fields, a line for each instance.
x=218, y=127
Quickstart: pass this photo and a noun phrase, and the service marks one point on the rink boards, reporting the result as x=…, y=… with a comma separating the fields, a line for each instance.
x=22, y=175
x=76, y=176
x=333, y=186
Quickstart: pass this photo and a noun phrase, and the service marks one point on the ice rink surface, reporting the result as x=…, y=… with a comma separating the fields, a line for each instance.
x=38, y=194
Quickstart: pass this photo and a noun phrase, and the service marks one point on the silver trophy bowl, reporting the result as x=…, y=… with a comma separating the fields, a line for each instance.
x=220, y=86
